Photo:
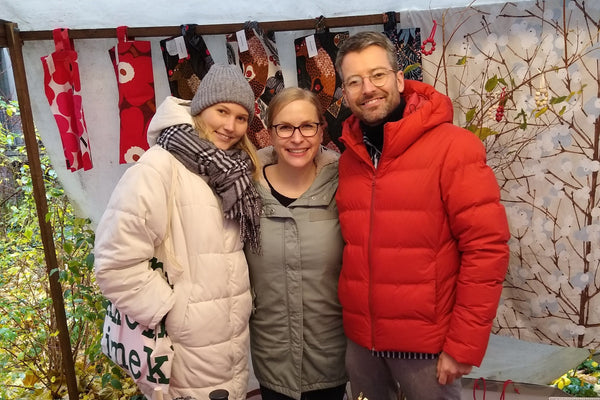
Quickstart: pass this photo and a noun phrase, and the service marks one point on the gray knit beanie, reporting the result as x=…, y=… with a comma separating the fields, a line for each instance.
x=223, y=84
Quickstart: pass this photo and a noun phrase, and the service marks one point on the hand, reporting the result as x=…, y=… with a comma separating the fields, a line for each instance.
x=448, y=369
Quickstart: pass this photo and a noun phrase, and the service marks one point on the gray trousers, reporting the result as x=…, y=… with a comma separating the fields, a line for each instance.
x=380, y=378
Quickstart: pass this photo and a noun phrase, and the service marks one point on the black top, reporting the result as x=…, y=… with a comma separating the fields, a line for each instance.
x=284, y=200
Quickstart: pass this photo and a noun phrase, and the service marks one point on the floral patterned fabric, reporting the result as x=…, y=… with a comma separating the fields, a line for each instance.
x=62, y=86
x=132, y=61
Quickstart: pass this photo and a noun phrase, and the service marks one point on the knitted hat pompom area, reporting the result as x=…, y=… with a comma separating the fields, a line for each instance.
x=224, y=83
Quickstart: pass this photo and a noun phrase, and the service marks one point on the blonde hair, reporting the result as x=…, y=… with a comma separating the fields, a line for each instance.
x=289, y=95
x=243, y=144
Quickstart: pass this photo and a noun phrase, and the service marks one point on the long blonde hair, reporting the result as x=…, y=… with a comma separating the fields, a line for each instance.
x=243, y=144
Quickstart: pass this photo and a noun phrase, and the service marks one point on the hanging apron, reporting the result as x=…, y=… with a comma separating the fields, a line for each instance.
x=132, y=61
x=256, y=53
x=62, y=86
x=187, y=60
x=315, y=64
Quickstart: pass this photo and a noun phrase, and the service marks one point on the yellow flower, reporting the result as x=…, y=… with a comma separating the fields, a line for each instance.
x=563, y=382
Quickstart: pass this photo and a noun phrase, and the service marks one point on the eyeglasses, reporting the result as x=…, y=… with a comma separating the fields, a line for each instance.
x=378, y=78
x=308, y=129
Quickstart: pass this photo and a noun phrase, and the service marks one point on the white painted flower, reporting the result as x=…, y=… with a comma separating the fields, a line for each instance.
x=556, y=279
x=582, y=194
x=567, y=226
x=548, y=13
x=561, y=74
x=547, y=44
x=588, y=165
x=133, y=154
x=566, y=166
x=576, y=330
x=559, y=42
x=549, y=226
x=517, y=192
x=126, y=72
x=558, y=185
x=518, y=217
x=554, y=327
x=521, y=71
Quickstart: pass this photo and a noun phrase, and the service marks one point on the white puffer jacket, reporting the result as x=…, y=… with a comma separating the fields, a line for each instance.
x=209, y=306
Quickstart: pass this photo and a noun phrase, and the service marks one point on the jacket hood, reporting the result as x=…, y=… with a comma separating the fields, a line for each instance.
x=426, y=108
x=172, y=111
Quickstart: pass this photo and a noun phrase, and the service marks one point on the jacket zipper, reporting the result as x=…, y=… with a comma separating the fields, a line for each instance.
x=370, y=263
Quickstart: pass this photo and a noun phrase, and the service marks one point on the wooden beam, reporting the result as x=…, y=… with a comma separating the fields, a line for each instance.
x=39, y=193
x=215, y=29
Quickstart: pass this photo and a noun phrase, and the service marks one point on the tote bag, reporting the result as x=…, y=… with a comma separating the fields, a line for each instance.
x=145, y=354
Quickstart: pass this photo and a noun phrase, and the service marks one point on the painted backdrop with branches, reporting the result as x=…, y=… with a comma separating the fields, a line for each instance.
x=525, y=78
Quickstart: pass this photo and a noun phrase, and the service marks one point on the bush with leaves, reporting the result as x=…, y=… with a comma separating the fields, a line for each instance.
x=30, y=356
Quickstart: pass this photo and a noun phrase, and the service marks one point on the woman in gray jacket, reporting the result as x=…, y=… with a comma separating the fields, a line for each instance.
x=296, y=333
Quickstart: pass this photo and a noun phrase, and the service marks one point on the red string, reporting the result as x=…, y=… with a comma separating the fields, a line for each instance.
x=475, y=387
x=506, y=383
x=430, y=41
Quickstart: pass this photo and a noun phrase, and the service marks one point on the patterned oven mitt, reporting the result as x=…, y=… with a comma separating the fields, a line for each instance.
x=256, y=53
x=187, y=61
x=132, y=61
x=315, y=63
x=62, y=86
x=408, y=46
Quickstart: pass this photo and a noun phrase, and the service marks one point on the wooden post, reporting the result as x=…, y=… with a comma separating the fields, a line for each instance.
x=39, y=193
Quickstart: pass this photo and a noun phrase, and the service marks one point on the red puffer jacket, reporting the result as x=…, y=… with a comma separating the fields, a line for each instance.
x=426, y=236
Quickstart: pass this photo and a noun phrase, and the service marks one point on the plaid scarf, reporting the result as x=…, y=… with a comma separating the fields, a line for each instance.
x=229, y=175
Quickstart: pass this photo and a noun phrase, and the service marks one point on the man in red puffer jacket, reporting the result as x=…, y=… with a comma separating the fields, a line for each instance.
x=426, y=236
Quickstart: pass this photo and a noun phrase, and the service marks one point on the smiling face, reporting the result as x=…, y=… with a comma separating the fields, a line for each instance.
x=226, y=124
x=297, y=151
x=370, y=103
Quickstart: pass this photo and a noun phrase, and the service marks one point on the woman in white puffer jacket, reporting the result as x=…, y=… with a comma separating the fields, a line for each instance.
x=201, y=170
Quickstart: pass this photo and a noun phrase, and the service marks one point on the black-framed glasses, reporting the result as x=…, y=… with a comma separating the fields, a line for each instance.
x=307, y=129
x=378, y=78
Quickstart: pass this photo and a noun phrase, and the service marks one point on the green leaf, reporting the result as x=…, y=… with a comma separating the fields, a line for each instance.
x=411, y=67
x=116, y=383
x=491, y=84
x=470, y=115
x=462, y=60
x=541, y=111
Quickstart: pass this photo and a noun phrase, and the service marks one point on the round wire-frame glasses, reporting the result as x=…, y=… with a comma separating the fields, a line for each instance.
x=378, y=78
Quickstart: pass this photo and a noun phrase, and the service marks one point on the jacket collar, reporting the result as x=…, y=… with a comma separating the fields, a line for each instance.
x=425, y=109
x=320, y=193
